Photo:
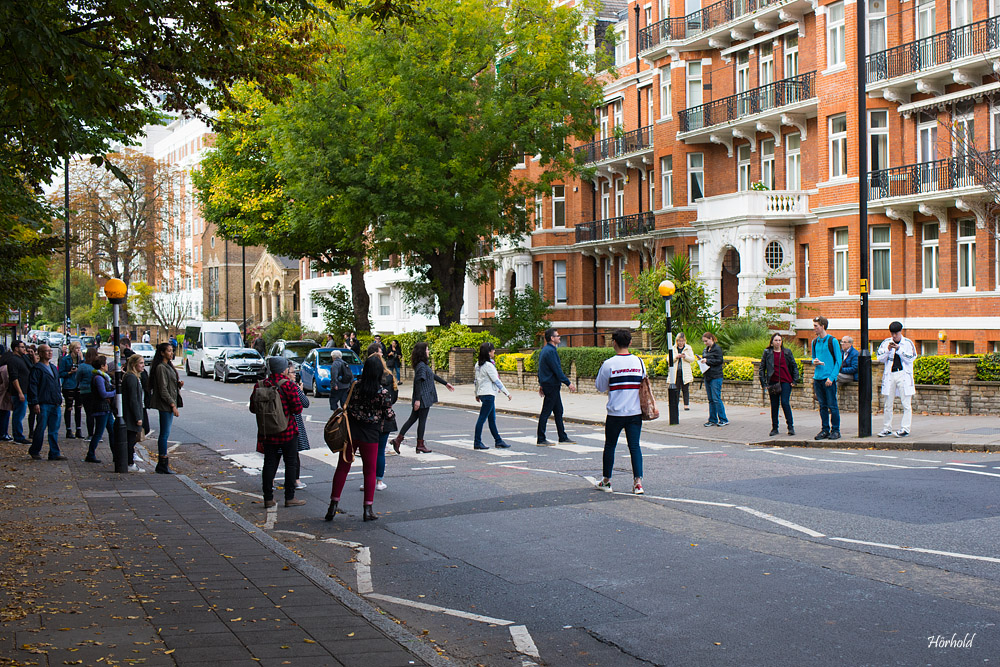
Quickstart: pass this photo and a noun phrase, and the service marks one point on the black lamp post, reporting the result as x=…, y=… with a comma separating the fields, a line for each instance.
x=117, y=291
x=666, y=290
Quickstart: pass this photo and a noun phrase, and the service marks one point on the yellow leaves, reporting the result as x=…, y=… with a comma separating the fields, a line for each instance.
x=309, y=641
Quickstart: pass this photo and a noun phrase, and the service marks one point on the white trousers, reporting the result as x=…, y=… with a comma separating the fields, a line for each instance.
x=897, y=387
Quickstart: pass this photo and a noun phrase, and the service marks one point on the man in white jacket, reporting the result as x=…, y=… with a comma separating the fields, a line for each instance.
x=897, y=354
x=620, y=376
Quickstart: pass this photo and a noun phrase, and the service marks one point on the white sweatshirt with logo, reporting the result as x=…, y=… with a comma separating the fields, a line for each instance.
x=620, y=377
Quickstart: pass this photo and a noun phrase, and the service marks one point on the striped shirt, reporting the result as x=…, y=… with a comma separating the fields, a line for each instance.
x=620, y=377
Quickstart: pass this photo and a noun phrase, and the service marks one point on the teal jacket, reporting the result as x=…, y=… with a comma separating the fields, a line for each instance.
x=827, y=350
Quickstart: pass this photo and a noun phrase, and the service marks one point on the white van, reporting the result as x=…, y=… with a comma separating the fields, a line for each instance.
x=203, y=341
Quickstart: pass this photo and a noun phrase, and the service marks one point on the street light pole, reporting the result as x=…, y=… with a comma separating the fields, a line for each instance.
x=865, y=358
x=116, y=291
x=243, y=266
x=66, y=207
x=666, y=290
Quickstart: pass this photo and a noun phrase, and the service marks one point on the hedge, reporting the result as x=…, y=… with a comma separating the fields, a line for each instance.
x=988, y=368
x=507, y=363
x=933, y=368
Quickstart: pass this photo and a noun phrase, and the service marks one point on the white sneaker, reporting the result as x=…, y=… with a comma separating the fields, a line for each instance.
x=135, y=468
x=138, y=458
x=379, y=486
x=299, y=485
x=884, y=432
x=604, y=485
x=637, y=488
x=902, y=433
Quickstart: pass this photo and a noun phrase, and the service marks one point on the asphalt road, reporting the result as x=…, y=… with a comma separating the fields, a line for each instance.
x=735, y=555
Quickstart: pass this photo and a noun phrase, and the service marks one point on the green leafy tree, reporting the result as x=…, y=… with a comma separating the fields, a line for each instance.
x=690, y=306
x=338, y=315
x=285, y=326
x=521, y=317
x=82, y=288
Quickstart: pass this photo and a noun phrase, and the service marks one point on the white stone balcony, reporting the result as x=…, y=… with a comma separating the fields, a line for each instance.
x=764, y=205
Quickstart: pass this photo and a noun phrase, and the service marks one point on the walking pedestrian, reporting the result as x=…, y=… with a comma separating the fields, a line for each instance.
x=145, y=336
x=84, y=377
x=620, y=377
x=165, y=390
x=848, y=361
x=394, y=358
x=550, y=381
x=97, y=339
x=369, y=407
x=680, y=374
x=258, y=344
x=18, y=372
x=45, y=398
x=712, y=356
x=133, y=410
x=826, y=360
x=341, y=379
x=897, y=353
x=302, y=438
x=487, y=385
x=102, y=391
x=423, y=397
x=388, y=424
x=777, y=373
x=283, y=444
x=69, y=364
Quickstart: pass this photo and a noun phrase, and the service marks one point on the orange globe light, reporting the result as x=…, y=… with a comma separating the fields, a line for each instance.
x=115, y=290
x=666, y=288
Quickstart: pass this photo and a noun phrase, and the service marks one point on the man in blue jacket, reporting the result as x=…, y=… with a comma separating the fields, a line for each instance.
x=826, y=359
x=45, y=397
x=848, y=361
x=550, y=379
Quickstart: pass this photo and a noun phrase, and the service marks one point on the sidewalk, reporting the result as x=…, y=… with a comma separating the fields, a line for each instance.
x=106, y=569
x=750, y=426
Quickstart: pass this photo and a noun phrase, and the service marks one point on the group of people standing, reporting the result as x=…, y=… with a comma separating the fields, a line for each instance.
x=34, y=385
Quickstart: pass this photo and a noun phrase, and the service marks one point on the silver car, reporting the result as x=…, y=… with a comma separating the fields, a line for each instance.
x=144, y=350
x=238, y=363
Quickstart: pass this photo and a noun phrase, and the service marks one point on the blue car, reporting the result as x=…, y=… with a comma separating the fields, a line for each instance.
x=315, y=368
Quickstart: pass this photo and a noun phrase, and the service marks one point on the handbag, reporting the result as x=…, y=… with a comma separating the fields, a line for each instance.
x=337, y=432
x=647, y=404
x=774, y=388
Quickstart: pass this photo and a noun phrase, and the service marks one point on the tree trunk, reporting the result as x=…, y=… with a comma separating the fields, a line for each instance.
x=447, y=275
x=359, y=297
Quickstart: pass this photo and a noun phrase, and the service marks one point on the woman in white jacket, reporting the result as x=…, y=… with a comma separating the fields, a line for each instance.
x=487, y=384
x=680, y=373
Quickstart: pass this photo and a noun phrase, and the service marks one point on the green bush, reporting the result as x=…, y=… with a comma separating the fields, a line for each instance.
x=286, y=326
x=737, y=330
x=740, y=368
x=932, y=369
x=508, y=362
x=754, y=348
x=456, y=335
x=588, y=359
x=105, y=334
x=988, y=368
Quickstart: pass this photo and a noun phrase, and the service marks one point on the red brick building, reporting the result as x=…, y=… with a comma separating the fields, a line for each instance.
x=711, y=99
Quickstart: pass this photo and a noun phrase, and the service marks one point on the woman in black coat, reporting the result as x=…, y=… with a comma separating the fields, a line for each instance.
x=423, y=397
x=713, y=357
x=777, y=372
x=133, y=406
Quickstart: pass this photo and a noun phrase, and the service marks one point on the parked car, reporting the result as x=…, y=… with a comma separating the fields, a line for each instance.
x=56, y=339
x=316, y=368
x=145, y=350
x=87, y=342
x=293, y=350
x=238, y=364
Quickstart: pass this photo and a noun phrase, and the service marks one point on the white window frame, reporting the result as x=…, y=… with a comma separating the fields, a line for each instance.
x=743, y=157
x=384, y=309
x=651, y=182
x=694, y=260
x=622, y=284
x=619, y=197
x=878, y=138
x=540, y=286
x=791, y=56
x=838, y=147
x=805, y=269
x=667, y=181
x=879, y=248
x=559, y=273
x=965, y=261
x=650, y=105
x=621, y=44
x=841, y=264
x=605, y=200
x=931, y=246
x=793, y=161
x=666, y=104
x=662, y=9
x=835, y=35
x=558, y=206
x=603, y=123
x=694, y=91
x=994, y=126
x=766, y=73
x=539, y=211
x=767, y=171
x=696, y=174
x=607, y=280
x=876, y=19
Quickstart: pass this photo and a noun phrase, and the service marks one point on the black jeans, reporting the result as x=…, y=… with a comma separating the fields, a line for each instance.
x=73, y=404
x=273, y=454
x=786, y=406
x=419, y=416
x=551, y=405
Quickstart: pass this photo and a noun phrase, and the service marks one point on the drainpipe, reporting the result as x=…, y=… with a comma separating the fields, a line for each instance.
x=593, y=208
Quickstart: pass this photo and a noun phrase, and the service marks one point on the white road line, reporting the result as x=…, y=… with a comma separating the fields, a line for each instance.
x=972, y=472
x=225, y=449
x=245, y=493
x=444, y=610
x=272, y=518
x=297, y=533
x=881, y=456
x=170, y=450
x=923, y=460
x=363, y=567
x=227, y=400
x=433, y=468
x=781, y=522
x=200, y=393
x=969, y=465
x=935, y=552
x=689, y=501
x=871, y=463
x=584, y=458
x=846, y=453
x=554, y=472
x=780, y=453
x=523, y=642
x=500, y=463
x=710, y=451
x=343, y=543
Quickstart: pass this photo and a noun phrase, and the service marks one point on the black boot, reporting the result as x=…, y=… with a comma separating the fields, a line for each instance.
x=163, y=465
x=79, y=435
x=370, y=514
x=69, y=434
x=331, y=510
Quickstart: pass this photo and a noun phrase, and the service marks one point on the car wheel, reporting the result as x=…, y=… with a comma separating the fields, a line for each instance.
x=225, y=376
x=201, y=370
x=187, y=368
x=306, y=389
x=215, y=375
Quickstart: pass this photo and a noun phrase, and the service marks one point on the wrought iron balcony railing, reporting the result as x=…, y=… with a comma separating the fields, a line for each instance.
x=616, y=228
x=713, y=16
x=945, y=47
x=764, y=98
x=605, y=149
x=961, y=171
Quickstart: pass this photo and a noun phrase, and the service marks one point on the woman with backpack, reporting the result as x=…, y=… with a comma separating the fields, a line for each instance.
x=84, y=376
x=777, y=373
x=102, y=391
x=165, y=399
x=487, y=385
x=368, y=407
x=424, y=396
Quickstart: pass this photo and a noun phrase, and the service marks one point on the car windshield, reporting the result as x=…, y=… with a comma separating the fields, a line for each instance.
x=87, y=340
x=145, y=347
x=326, y=357
x=222, y=339
x=244, y=354
x=297, y=351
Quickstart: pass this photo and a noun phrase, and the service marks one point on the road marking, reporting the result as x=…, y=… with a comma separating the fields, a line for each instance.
x=227, y=400
x=689, y=501
x=344, y=543
x=923, y=460
x=433, y=468
x=200, y=393
x=881, y=456
x=500, y=463
x=585, y=458
x=554, y=472
x=972, y=472
x=780, y=453
x=710, y=451
x=363, y=567
x=935, y=552
x=172, y=448
x=781, y=522
x=244, y=493
x=272, y=517
x=444, y=610
x=847, y=453
x=970, y=465
x=297, y=533
x=523, y=641
x=872, y=463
